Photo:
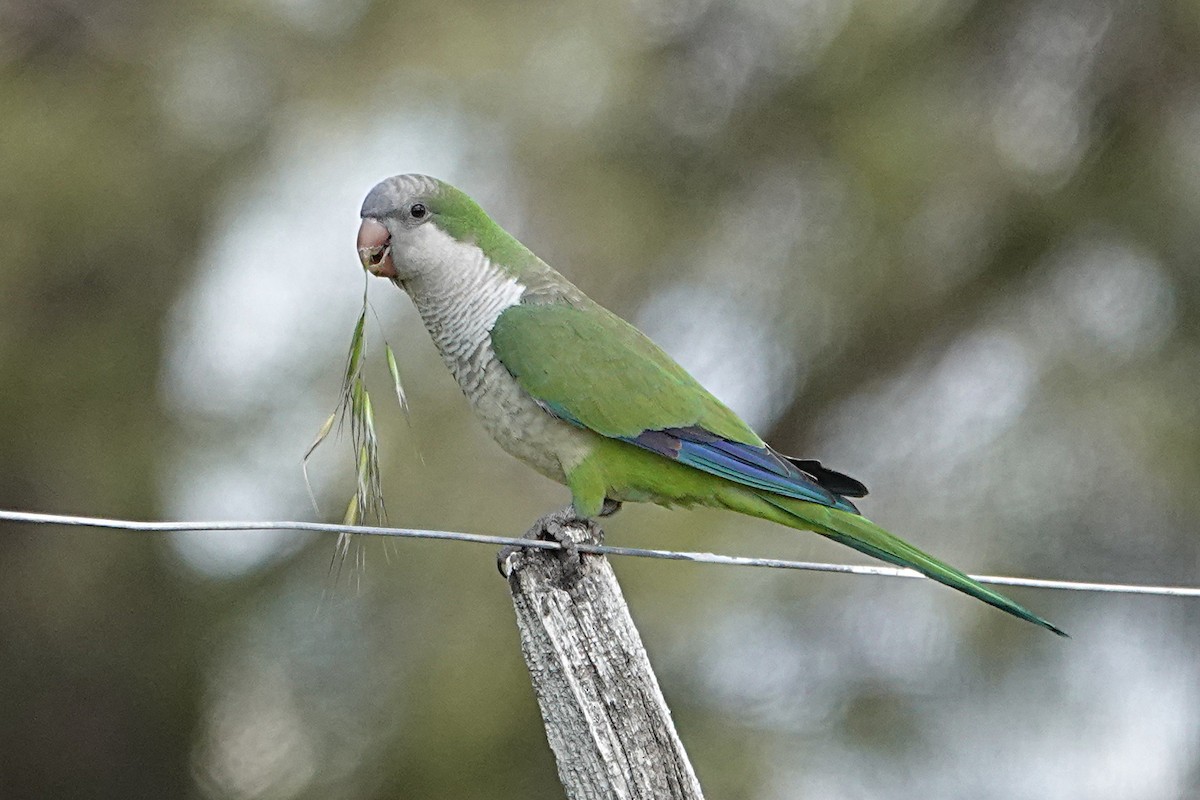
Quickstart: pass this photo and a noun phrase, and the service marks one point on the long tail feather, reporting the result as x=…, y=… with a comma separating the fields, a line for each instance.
x=867, y=537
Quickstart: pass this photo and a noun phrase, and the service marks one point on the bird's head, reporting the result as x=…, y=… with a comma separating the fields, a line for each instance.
x=393, y=215
x=414, y=224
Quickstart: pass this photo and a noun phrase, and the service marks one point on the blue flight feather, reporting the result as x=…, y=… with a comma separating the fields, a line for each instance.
x=756, y=467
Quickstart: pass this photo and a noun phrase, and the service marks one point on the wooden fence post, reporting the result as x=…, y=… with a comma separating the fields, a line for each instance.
x=605, y=717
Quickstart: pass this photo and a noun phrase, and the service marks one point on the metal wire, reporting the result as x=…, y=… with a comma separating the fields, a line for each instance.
x=635, y=552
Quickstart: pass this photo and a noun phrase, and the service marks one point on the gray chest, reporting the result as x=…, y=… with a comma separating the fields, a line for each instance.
x=515, y=420
x=460, y=324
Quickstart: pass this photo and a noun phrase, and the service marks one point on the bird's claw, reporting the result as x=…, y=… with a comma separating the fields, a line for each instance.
x=562, y=526
x=609, y=508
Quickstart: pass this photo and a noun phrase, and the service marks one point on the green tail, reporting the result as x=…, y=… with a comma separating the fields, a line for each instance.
x=867, y=537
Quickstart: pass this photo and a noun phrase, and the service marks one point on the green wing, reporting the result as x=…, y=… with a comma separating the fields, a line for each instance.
x=594, y=368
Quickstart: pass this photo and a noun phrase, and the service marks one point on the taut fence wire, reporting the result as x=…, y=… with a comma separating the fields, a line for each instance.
x=608, y=550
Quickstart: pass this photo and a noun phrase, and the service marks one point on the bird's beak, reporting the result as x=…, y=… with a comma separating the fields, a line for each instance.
x=375, y=249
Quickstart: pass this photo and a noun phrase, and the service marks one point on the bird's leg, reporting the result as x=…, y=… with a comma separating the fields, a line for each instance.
x=563, y=526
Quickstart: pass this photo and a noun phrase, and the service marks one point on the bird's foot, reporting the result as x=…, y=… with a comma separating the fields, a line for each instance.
x=609, y=508
x=562, y=526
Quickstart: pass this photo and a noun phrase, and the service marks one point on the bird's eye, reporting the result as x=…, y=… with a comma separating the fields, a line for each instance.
x=418, y=211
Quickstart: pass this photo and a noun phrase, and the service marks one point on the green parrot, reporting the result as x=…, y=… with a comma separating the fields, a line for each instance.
x=585, y=398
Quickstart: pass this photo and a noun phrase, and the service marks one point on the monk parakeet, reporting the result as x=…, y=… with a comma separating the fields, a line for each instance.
x=585, y=398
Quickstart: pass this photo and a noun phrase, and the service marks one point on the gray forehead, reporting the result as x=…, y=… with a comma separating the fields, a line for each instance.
x=391, y=194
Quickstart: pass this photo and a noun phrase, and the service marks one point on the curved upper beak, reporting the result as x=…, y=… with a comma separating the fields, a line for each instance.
x=375, y=249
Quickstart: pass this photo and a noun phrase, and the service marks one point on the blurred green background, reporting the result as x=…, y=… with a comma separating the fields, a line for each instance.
x=947, y=246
